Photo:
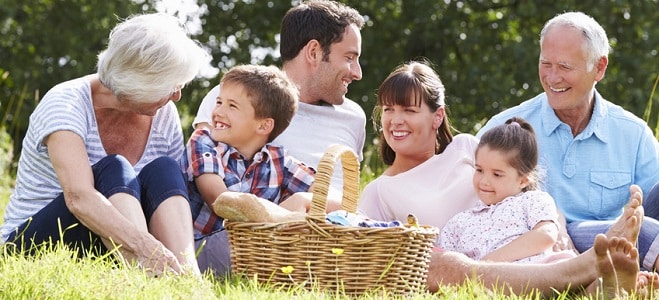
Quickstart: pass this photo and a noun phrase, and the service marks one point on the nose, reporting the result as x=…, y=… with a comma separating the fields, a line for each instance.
x=553, y=75
x=397, y=119
x=356, y=70
x=218, y=111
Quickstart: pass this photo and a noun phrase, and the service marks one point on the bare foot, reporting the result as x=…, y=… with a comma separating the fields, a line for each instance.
x=617, y=264
x=624, y=257
x=605, y=269
x=629, y=224
x=647, y=284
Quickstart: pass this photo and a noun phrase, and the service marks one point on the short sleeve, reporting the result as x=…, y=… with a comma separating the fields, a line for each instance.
x=204, y=155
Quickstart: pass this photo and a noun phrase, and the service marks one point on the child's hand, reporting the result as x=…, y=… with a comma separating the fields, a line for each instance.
x=299, y=202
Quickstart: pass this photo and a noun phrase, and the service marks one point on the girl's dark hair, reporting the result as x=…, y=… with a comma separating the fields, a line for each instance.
x=418, y=79
x=517, y=139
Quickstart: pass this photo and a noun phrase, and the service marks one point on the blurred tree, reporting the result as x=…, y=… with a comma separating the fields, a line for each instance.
x=486, y=51
x=45, y=42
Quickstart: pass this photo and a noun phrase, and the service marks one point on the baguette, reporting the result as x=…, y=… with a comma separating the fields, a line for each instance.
x=246, y=207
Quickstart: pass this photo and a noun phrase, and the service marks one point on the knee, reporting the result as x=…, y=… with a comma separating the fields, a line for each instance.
x=113, y=174
x=162, y=165
x=113, y=164
x=163, y=171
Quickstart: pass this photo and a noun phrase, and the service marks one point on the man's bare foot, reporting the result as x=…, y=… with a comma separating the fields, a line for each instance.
x=629, y=224
x=617, y=265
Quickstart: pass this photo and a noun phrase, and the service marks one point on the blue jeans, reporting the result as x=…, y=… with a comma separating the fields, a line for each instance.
x=583, y=235
x=157, y=181
x=651, y=203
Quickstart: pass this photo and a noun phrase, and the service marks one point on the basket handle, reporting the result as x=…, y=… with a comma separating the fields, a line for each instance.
x=350, y=165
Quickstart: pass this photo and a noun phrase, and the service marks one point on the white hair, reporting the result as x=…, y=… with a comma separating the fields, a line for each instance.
x=596, y=42
x=148, y=57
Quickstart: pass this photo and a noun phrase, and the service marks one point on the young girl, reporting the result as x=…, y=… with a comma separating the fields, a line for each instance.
x=513, y=221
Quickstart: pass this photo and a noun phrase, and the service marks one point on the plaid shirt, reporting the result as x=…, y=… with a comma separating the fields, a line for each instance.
x=272, y=175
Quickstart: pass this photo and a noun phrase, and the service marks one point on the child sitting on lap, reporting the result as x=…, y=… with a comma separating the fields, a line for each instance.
x=513, y=221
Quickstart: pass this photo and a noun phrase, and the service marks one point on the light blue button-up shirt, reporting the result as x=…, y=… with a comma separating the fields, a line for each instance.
x=589, y=175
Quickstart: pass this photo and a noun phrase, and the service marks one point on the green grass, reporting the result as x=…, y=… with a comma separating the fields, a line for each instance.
x=55, y=273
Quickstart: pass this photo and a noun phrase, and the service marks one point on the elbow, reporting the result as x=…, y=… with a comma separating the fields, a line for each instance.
x=548, y=233
x=73, y=200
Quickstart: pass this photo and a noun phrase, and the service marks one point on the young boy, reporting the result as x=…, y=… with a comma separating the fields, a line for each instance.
x=255, y=105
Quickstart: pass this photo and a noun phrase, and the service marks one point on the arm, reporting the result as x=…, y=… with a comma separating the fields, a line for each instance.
x=539, y=239
x=301, y=202
x=69, y=158
x=647, y=162
x=563, y=240
x=210, y=186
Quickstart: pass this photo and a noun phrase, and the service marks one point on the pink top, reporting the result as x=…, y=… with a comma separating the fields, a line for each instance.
x=434, y=191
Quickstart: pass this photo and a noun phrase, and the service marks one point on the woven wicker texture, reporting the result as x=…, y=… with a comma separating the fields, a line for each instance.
x=351, y=259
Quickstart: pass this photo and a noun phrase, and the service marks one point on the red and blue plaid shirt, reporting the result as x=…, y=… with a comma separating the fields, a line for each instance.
x=271, y=174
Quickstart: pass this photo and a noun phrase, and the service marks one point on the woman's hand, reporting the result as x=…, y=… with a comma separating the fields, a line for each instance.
x=156, y=259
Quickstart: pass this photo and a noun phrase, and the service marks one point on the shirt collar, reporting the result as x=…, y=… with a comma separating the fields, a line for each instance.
x=265, y=154
x=597, y=125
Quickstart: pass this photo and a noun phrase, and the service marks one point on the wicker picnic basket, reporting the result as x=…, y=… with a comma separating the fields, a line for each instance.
x=315, y=253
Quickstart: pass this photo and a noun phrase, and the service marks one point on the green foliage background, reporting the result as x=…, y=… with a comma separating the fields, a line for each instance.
x=485, y=51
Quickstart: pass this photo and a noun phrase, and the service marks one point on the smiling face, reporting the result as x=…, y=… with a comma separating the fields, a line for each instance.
x=495, y=179
x=234, y=122
x=563, y=69
x=329, y=81
x=411, y=130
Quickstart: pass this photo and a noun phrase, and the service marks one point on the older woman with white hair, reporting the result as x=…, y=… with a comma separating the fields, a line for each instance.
x=98, y=169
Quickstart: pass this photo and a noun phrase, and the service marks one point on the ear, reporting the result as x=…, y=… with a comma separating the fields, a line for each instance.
x=438, y=117
x=524, y=183
x=313, y=52
x=600, y=68
x=266, y=126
